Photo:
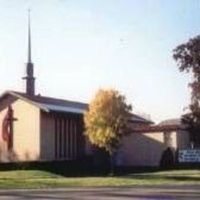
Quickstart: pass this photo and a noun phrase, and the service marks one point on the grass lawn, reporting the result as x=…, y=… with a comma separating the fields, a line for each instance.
x=42, y=179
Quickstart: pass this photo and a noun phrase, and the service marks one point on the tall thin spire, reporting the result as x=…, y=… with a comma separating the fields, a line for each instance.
x=30, y=79
x=29, y=37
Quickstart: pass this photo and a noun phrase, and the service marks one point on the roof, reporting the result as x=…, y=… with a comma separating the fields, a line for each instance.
x=49, y=104
x=170, y=122
x=136, y=118
x=164, y=126
x=157, y=128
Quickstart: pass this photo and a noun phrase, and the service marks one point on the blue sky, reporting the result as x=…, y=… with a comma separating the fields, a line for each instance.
x=80, y=46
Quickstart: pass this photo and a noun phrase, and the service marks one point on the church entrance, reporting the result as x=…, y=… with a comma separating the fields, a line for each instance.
x=69, y=139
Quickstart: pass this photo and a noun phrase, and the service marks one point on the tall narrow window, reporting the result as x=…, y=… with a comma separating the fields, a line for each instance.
x=68, y=138
x=60, y=138
x=75, y=139
x=65, y=138
x=56, y=138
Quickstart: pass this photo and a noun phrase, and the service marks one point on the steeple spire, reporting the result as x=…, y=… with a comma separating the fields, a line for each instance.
x=29, y=37
x=30, y=79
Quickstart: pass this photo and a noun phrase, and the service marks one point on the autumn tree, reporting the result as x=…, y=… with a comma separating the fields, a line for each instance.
x=106, y=120
x=187, y=56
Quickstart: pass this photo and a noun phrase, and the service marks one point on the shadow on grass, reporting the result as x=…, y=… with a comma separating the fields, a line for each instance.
x=80, y=168
x=85, y=168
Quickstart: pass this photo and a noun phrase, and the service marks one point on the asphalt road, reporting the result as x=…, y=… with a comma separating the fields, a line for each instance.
x=117, y=193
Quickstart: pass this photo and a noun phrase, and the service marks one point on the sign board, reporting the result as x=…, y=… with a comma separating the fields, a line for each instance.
x=189, y=156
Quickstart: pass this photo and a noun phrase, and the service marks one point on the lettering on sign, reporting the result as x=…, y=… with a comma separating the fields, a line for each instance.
x=189, y=155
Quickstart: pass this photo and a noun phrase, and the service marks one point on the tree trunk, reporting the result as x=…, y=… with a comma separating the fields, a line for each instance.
x=112, y=165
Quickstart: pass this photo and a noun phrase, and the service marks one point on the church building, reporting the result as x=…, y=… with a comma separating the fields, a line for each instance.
x=40, y=128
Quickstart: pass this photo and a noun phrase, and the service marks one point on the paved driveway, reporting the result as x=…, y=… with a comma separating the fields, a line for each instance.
x=117, y=193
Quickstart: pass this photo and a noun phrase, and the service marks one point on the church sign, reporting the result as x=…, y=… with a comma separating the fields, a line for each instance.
x=189, y=156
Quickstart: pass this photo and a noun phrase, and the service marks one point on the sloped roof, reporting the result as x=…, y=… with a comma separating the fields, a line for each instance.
x=164, y=126
x=50, y=104
x=157, y=128
x=170, y=122
x=139, y=119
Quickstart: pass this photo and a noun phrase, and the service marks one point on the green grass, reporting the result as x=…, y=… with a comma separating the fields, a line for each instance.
x=42, y=179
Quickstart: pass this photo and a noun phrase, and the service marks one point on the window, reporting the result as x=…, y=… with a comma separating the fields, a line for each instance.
x=68, y=137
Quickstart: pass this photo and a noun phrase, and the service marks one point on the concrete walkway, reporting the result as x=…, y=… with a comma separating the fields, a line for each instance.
x=189, y=192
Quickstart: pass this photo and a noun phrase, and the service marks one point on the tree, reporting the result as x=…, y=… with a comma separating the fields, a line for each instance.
x=187, y=56
x=106, y=120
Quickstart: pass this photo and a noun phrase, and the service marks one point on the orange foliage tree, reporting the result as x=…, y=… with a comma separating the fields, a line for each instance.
x=106, y=120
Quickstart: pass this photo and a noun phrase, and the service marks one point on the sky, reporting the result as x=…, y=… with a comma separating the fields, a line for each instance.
x=79, y=46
